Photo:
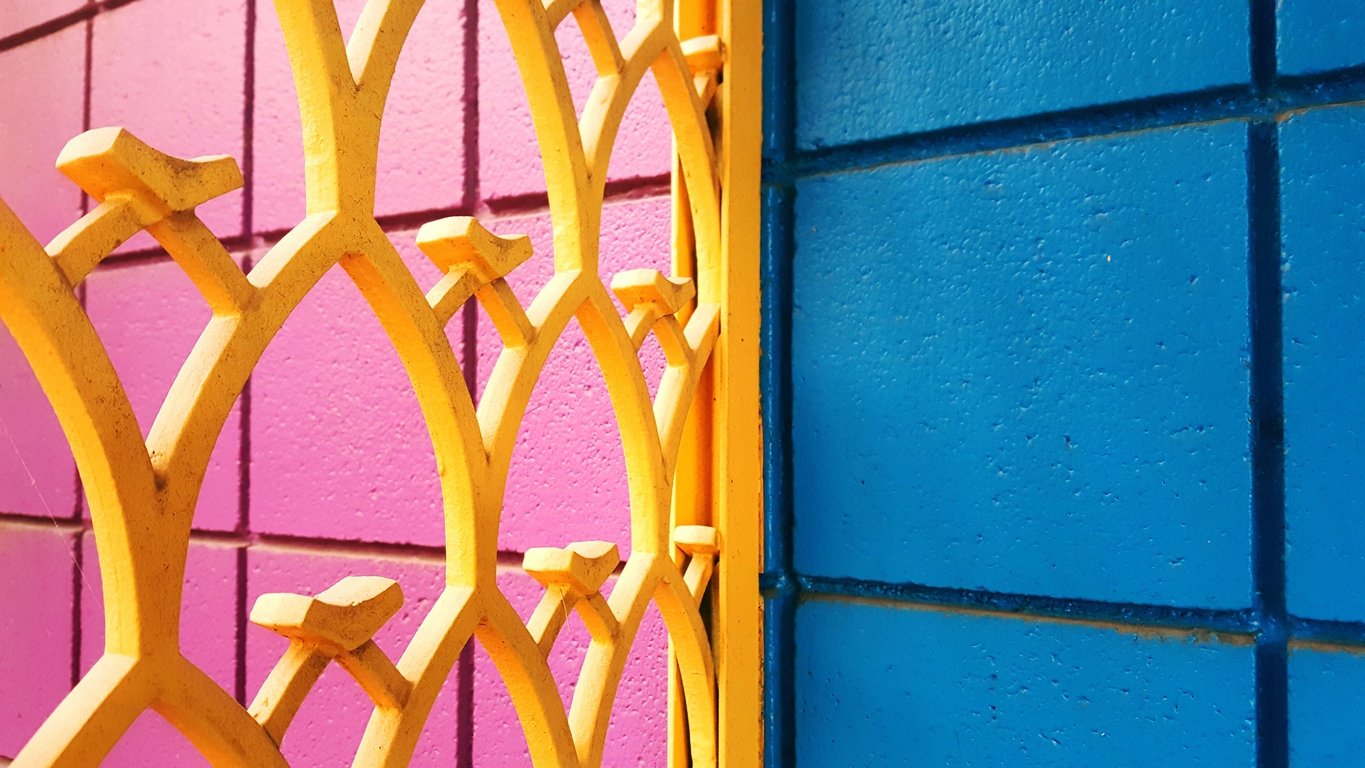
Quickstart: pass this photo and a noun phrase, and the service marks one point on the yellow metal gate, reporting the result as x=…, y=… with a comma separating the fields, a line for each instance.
x=692, y=451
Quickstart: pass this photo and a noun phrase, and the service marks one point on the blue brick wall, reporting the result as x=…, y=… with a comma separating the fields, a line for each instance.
x=1064, y=358
x=877, y=68
x=1320, y=35
x=1323, y=197
x=1326, y=707
x=1034, y=379
x=939, y=688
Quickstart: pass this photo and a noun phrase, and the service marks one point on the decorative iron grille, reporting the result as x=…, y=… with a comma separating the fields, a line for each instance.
x=693, y=521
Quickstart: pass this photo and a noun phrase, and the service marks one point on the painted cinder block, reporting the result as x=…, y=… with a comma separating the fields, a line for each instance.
x=509, y=158
x=883, y=682
x=208, y=637
x=173, y=73
x=638, y=731
x=1326, y=704
x=1319, y=35
x=329, y=725
x=1323, y=233
x=422, y=140
x=339, y=446
x=151, y=738
x=37, y=471
x=35, y=628
x=1027, y=371
x=42, y=88
x=149, y=316
x=568, y=472
x=870, y=70
x=17, y=17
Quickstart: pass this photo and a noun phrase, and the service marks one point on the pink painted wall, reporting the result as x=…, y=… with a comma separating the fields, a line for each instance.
x=324, y=468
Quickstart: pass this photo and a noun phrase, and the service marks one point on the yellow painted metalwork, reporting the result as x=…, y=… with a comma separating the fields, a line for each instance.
x=694, y=470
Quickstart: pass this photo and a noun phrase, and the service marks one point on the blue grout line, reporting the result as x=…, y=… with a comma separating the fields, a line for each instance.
x=1343, y=633
x=1267, y=446
x=1238, y=102
x=1267, y=403
x=1139, y=616
x=779, y=697
x=779, y=690
x=779, y=81
x=776, y=374
x=779, y=140
x=1263, y=44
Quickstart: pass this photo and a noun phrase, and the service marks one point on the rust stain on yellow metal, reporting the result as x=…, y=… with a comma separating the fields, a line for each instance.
x=693, y=469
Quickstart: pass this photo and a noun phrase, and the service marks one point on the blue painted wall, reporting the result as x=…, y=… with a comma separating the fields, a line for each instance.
x=1064, y=355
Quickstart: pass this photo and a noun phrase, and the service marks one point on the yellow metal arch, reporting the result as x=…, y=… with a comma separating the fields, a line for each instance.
x=693, y=471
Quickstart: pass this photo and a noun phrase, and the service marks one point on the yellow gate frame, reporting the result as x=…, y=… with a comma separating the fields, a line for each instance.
x=695, y=491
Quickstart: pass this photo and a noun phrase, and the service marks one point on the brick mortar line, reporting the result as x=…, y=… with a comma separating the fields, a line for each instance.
x=1267, y=445
x=1301, y=632
x=1228, y=635
x=651, y=188
x=77, y=605
x=279, y=542
x=1288, y=95
x=59, y=23
x=1262, y=50
x=469, y=352
x=60, y=524
x=1159, y=620
x=779, y=608
x=1266, y=326
x=242, y=607
x=352, y=548
x=776, y=253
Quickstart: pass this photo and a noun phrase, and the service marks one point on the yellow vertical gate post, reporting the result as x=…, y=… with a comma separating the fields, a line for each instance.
x=695, y=493
x=739, y=444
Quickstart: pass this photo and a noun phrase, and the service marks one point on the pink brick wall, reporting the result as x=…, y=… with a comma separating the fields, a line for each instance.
x=324, y=468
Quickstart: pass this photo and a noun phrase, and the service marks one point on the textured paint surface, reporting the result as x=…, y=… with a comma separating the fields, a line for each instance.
x=37, y=472
x=1326, y=706
x=149, y=316
x=955, y=689
x=1319, y=35
x=421, y=151
x=1026, y=372
x=1322, y=177
x=35, y=628
x=15, y=17
x=339, y=447
x=509, y=165
x=47, y=76
x=170, y=71
x=868, y=70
